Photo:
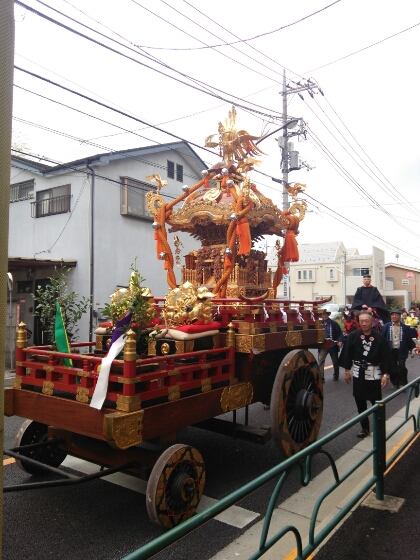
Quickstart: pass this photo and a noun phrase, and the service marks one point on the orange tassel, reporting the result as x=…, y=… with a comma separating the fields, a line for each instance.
x=244, y=233
x=224, y=180
x=206, y=183
x=290, y=248
x=158, y=243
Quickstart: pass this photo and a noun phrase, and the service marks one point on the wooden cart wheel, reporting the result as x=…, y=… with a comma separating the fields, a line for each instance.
x=175, y=486
x=296, y=403
x=35, y=432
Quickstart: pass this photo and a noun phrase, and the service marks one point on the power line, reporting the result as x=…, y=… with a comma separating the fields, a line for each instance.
x=359, y=229
x=375, y=204
x=184, y=154
x=199, y=40
x=101, y=104
x=115, y=51
x=240, y=40
x=109, y=150
x=383, y=186
x=245, y=40
x=400, y=195
x=364, y=48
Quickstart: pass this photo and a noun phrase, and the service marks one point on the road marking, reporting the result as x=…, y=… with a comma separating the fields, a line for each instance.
x=235, y=516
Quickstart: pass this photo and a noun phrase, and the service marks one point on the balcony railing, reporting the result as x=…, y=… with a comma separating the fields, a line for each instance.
x=50, y=206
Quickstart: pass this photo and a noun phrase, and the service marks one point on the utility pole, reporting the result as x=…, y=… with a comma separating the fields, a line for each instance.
x=289, y=158
x=344, y=278
x=284, y=157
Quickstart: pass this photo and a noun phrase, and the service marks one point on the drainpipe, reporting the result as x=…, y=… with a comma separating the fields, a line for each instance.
x=91, y=263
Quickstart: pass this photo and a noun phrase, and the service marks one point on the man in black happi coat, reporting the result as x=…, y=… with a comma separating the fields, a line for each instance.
x=368, y=297
x=370, y=355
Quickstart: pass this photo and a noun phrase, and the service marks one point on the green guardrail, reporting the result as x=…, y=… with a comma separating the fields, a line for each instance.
x=302, y=462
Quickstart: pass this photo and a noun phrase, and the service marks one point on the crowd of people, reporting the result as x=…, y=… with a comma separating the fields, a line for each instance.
x=375, y=345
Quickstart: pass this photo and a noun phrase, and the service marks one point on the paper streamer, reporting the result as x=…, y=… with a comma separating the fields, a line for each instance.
x=284, y=314
x=266, y=315
x=299, y=317
x=101, y=388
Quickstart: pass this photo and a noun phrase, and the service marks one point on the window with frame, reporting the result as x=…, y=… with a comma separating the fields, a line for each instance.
x=306, y=275
x=22, y=191
x=179, y=172
x=175, y=171
x=133, y=198
x=52, y=201
x=170, y=169
x=360, y=271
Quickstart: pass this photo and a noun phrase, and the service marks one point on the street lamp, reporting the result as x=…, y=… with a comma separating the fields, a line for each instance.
x=289, y=125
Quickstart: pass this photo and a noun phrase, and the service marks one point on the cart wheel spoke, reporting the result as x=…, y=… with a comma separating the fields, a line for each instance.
x=296, y=403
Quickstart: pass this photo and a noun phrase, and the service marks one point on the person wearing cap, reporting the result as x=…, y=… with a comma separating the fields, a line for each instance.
x=367, y=352
x=333, y=341
x=399, y=338
x=368, y=298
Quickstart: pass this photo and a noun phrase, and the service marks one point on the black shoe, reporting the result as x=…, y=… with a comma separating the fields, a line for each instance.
x=363, y=434
x=335, y=377
x=323, y=380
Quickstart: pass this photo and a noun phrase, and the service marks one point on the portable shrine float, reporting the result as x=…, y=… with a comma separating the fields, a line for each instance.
x=219, y=342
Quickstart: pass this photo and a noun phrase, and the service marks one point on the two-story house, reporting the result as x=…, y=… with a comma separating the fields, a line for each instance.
x=91, y=214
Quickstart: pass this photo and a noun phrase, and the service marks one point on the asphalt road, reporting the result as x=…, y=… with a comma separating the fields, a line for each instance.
x=104, y=520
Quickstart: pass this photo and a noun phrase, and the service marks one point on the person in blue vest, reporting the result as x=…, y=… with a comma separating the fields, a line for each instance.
x=333, y=342
x=401, y=343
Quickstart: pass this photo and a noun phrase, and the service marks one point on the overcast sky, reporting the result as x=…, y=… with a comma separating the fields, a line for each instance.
x=367, y=121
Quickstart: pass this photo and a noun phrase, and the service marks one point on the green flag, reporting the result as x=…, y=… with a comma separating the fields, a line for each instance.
x=60, y=333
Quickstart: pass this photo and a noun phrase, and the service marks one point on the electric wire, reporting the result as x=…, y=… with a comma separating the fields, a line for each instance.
x=401, y=196
x=169, y=146
x=381, y=184
x=363, y=49
x=115, y=51
x=110, y=151
x=244, y=41
x=115, y=110
x=336, y=215
x=71, y=167
x=356, y=185
x=359, y=187
x=200, y=147
x=197, y=39
x=249, y=39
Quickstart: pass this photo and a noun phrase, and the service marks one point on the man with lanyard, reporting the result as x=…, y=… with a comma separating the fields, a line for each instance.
x=333, y=341
x=368, y=298
x=398, y=336
x=370, y=355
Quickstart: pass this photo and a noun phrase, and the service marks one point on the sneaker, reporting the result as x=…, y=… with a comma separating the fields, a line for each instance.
x=363, y=433
x=335, y=377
